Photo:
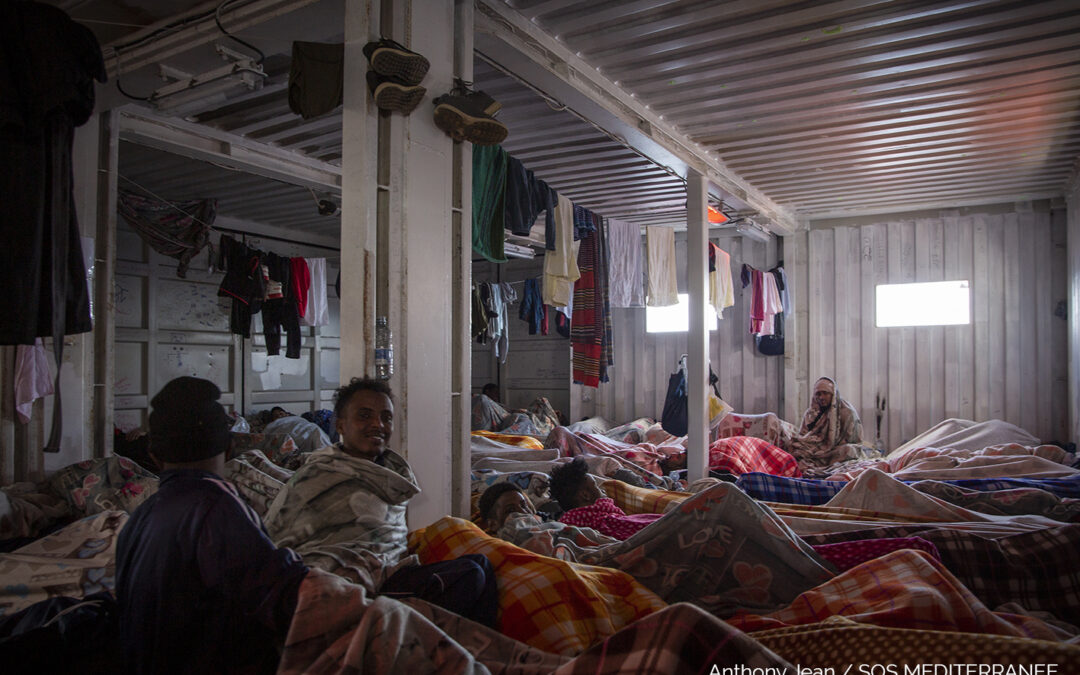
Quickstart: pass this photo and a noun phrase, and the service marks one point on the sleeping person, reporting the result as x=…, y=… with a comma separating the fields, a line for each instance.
x=585, y=505
x=307, y=435
x=698, y=552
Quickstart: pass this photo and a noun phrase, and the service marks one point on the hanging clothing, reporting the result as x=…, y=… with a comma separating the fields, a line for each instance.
x=316, y=78
x=583, y=222
x=624, y=264
x=488, y=201
x=526, y=197
x=316, y=313
x=757, y=301
x=300, y=280
x=176, y=229
x=663, y=286
x=32, y=378
x=771, y=305
x=46, y=90
x=782, y=284
x=507, y=296
x=532, y=308
x=590, y=330
x=560, y=265
x=721, y=288
x=279, y=309
x=243, y=282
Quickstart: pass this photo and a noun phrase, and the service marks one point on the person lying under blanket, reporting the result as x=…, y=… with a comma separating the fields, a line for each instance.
x=585, y=504
x=700, y=552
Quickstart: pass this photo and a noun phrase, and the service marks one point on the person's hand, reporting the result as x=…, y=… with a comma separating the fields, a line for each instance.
x=135, y=434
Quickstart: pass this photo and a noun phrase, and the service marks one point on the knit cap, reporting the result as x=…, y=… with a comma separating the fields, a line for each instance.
x=187, y=424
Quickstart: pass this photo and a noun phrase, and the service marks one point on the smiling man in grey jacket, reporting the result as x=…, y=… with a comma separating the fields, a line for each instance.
x=344, y=512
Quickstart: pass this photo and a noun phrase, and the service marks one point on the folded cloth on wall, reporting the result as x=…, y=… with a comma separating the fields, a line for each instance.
x=904, y=589
x=533, y=589
x=967, y=435
x=838, y=642
x=78, y=560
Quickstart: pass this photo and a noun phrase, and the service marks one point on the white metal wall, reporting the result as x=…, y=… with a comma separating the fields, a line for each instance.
x=1007, y=364
x=536, y=365
x=643, y=361
x=167, y=327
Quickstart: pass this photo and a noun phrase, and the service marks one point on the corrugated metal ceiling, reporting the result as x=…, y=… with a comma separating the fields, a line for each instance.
x=846, y=107
x=829, y=108
x=240, y=195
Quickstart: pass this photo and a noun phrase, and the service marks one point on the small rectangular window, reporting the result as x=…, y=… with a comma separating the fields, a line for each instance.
x=936, y=303
x=675, y=318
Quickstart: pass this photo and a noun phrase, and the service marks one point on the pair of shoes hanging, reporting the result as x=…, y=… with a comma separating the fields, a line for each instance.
x=468, y=115
x=395, y=75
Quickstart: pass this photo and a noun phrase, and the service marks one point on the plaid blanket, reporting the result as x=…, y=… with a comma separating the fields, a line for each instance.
x=745, y=454
x=677, y=639
x=553, y=605
x=904, y=589
x=816, y=491
x=838, y=642
x=641, y=500
x=1035, y=569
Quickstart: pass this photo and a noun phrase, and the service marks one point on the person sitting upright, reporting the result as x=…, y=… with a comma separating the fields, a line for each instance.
x=201, y=587
x=344, y=512
x=585, y=504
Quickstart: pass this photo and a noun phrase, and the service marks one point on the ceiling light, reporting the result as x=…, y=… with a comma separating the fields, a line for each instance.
x=186, y=93
x=749, y=228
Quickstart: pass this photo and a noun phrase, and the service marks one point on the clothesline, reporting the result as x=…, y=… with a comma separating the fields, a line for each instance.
x=213, y=228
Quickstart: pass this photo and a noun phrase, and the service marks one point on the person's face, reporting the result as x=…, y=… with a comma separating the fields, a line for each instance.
x=507, y=503
x=366, y=424
x=589, y=492
x=823, y=394
x=278, y=413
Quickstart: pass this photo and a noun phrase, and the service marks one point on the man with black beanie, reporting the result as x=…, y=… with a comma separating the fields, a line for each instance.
x=201, y=588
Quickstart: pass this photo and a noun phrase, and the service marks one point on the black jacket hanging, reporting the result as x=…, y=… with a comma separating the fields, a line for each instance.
x=48, y=64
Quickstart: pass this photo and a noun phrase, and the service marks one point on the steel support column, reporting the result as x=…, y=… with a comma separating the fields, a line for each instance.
x=697, y=243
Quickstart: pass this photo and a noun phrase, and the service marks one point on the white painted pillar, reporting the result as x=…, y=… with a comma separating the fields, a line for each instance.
x=358, y=197
x=697, y=253
x=461, y=398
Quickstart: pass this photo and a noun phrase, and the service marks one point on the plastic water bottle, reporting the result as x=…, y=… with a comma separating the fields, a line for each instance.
x=384, y=349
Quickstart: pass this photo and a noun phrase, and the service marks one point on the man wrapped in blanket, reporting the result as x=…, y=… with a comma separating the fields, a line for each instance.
x=194, y=563
x=344, y=512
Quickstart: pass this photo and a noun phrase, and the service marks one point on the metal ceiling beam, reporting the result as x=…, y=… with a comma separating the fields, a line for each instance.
x=510, y=40
x=229, y=150
x=192, y=29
